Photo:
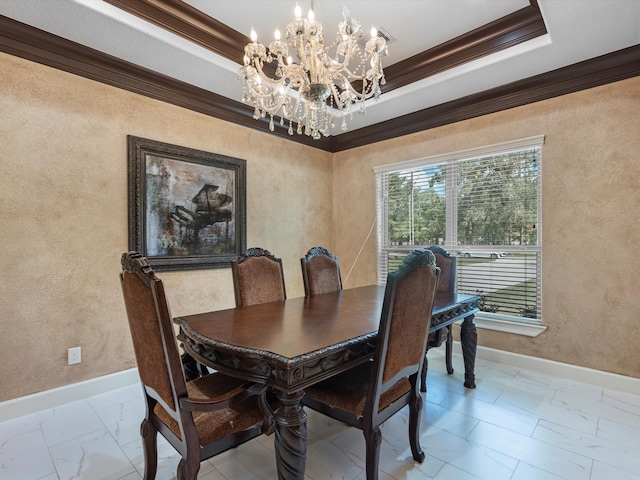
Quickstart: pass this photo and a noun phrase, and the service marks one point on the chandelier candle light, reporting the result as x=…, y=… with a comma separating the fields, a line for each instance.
x=312, y=91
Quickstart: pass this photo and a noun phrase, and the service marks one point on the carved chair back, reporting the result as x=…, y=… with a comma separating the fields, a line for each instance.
x=448, y=265
x=404, y=324
x=258, y=277
x=154, y=342
x=320, y=272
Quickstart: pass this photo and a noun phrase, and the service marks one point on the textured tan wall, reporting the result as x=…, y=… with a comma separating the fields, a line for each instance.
x=590, y=217
x=63, y=203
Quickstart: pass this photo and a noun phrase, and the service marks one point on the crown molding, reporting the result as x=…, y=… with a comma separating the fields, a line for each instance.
x=36, y=45
x=190, y=23
x=591, y=73
x=517, y=27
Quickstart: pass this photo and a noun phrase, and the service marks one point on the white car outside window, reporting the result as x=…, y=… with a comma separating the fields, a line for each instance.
x=493, y=255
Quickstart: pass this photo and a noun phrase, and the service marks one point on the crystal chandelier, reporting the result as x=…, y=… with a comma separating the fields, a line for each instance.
x=313, y=91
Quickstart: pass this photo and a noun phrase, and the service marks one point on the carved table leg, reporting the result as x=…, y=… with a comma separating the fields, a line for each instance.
x=469, y=342
x=190, y=367
x=291, y=437
x=449, y=351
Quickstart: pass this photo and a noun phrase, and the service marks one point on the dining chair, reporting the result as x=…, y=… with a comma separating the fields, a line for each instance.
x=369, y=394
x=257, y=277
x=320, y=272
x=447, y=283
x=199, y=418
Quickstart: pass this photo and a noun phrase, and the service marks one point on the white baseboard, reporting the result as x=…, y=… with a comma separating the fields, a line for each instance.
x=17, y=407
x=599, y=378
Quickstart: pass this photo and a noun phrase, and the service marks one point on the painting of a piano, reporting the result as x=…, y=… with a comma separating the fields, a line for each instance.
x=187, y=207
x=210, y=208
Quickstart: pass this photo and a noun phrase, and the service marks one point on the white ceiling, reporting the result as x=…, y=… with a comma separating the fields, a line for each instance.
x=578, y=30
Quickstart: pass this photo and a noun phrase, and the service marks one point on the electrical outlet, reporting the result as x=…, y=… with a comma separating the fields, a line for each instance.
x=74, y=355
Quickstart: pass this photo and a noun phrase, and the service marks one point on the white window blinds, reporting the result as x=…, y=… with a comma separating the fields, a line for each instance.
x=483, y=206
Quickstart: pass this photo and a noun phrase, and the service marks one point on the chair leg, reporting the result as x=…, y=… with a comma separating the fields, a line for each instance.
x=373, y=440
x=449, y=351
x=415, y=410
x=188, y=468
x=150, y=448
x=189, y=465
x=423, y=375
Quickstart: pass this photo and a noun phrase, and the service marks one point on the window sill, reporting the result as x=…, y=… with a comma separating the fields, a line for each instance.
x=526, y=329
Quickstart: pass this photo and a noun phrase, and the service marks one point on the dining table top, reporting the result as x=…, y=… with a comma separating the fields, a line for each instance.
x=292, y=329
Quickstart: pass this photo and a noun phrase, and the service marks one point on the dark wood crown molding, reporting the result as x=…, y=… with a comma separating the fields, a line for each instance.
x=188, y=22
x=520, y=26
x=598, y=71
x=27, y=42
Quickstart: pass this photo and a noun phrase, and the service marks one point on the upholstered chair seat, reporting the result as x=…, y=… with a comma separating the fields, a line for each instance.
x=216, y=425
x=348, y=392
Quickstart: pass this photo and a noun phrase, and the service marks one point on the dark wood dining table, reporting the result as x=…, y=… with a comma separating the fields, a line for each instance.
x=297, y=342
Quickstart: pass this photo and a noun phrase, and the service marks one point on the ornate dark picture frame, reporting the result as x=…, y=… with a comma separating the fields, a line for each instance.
x=187, y=207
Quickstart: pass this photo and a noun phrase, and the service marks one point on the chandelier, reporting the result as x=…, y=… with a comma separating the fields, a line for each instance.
x=324, y=82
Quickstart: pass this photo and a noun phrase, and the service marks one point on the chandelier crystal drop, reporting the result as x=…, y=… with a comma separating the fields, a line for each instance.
x=326, y=81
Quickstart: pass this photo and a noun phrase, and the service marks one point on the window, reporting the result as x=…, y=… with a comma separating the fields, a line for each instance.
x=482, y=205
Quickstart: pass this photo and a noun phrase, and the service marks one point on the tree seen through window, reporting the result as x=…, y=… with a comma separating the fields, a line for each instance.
x=485, y=209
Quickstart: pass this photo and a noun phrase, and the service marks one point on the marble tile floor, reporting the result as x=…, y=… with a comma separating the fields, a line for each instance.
x=517, y=425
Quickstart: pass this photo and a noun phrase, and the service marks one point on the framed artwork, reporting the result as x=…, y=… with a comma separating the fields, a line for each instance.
x=187, y=208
